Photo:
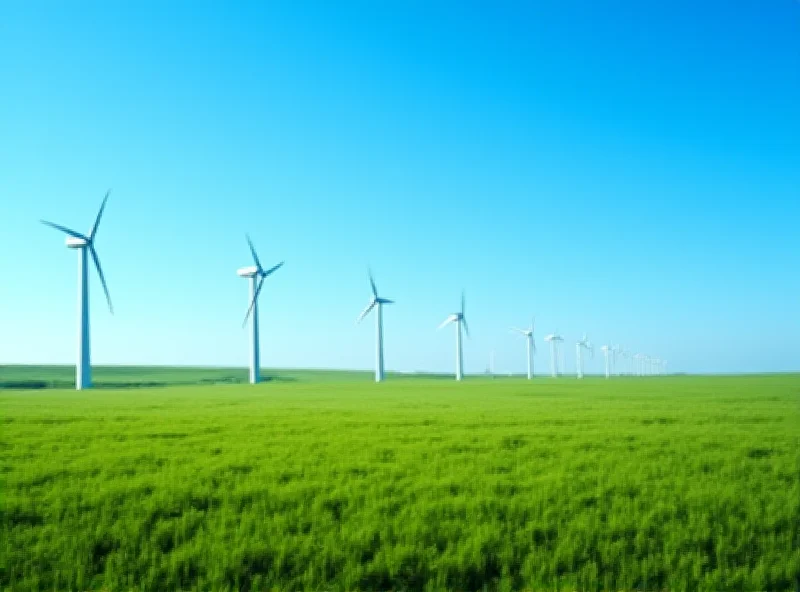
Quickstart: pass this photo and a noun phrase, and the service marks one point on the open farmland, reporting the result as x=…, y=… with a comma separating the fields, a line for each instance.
x=679, y=483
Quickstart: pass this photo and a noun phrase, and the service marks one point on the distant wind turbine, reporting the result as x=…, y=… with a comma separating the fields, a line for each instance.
x=579, y=347
x=256, y=274
x=377, y=303
x=76, y=240
x=459, y=319
x=554, y=339
x=531, y=345
x=606, y=349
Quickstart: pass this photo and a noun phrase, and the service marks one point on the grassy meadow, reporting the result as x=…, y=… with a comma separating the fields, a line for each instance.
x=660, y=483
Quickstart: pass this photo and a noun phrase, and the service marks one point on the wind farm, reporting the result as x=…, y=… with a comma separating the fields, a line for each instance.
x=289, y=393
x=231, y=466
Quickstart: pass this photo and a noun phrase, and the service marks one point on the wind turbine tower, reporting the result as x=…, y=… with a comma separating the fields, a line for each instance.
x=256, y=274
x=377, y=303
x=459, y=319
x=531, y=345
x=606, y=349
x=554, y=339
x=76, y=240
x=579, y=347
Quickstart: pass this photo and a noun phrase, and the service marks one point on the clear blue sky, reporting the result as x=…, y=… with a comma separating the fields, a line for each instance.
x=626, y=169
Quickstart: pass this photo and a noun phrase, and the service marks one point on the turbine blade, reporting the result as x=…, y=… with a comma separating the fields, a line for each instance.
x=447, y=321
x=518, y=330
x=464, y=321
x=99, y=215
x=462, y=303
x=253, y=252
x=385, y=301
x=64, y=229
x=372, y=283
x=253, y=302
x=271, y=270
x=102, y=277
x=365, y=312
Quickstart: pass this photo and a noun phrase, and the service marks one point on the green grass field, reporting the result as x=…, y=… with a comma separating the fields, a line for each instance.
x=673, y=483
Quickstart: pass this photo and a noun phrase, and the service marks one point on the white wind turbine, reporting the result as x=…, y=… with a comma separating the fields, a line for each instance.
x=76, y=240
x=256, y=274
x=531, y=345
x=377, y=303
x=606, y=349
x=554, y=339
x=459, y=319
x=579, y=347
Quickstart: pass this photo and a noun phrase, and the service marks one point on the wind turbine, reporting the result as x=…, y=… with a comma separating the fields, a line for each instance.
x=531, y=345
x=256, y=274
x=76, y=240
x=377, y=303
x=583, y=343
x=554, y=339
x=458, y=318
x=606, y=349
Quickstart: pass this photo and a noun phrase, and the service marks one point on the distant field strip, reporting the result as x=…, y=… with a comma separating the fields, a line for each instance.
x=674, y=483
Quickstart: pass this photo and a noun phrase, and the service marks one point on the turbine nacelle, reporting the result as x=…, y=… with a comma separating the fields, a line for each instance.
x=74, y=242
x=247, y=272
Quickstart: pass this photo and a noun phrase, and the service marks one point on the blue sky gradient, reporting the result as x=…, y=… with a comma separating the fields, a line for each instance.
x=626, y=169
